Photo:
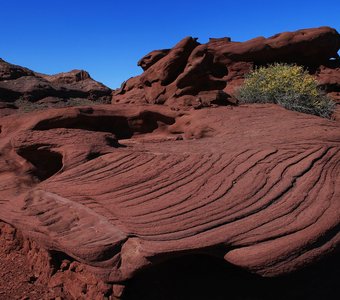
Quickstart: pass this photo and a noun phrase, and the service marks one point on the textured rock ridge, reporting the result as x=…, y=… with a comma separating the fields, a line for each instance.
x=129, y=187
x=193, y=74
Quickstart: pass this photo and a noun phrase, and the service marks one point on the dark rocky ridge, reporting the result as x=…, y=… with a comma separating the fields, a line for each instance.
x=19, y=83
x=194, y=74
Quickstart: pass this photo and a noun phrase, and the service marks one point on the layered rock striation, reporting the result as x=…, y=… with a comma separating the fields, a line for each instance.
x=122, y=188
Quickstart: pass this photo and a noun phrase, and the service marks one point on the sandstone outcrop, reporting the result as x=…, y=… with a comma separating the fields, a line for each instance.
x=193, y=74
x=329, y=80
x=116, y=201
x=122, y=188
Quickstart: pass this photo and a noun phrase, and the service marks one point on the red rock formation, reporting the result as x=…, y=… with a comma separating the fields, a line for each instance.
x=96, y=198
x=191, y=74
x=151, y=58
x=68, y=78
x=329, y=80
x=18, y=83
x=11, y=72
x=28, y=271
x=123, y=188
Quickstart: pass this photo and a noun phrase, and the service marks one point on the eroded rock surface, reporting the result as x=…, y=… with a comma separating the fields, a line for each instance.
x=123, y=188
x=95, y=198
x=192, y=74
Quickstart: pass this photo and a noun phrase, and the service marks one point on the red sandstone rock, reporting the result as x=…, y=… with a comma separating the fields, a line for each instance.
x=177, y=77
x=329, y=79
x=7, y=109
x=68, y=78
x=151, y=58
x=95, y=195
x=120, y=188
x=10, y=72
x=30, y=272
x=18, y=83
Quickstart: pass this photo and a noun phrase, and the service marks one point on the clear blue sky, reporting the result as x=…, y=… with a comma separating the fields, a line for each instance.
x=108, y=37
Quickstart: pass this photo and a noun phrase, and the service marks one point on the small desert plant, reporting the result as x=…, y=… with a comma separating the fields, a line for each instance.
x=288, y=85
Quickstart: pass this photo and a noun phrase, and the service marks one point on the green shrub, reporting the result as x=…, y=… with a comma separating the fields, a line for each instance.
x=287, y=85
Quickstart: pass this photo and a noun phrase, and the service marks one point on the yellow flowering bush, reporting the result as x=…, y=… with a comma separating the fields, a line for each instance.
x=287, y=85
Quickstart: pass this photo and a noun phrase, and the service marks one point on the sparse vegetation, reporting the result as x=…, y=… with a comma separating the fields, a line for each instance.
x=287, y=85
x=27, y=106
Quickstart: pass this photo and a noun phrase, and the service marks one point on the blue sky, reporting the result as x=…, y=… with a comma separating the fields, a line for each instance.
x=108, y=37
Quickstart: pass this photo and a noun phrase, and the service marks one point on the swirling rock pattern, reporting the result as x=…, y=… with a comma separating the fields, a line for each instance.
x=120, y=188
